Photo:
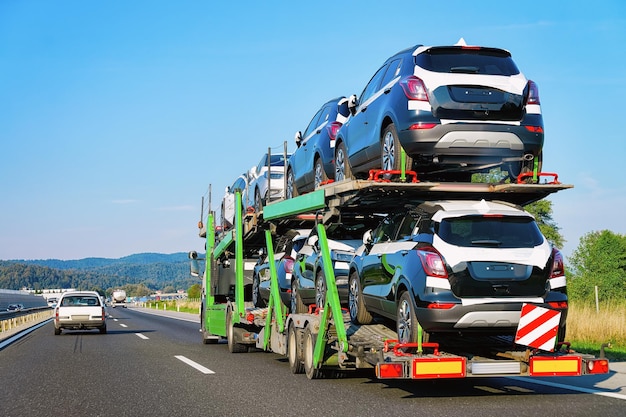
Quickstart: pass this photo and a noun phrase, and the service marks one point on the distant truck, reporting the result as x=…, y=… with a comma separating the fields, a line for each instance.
x=118, y=298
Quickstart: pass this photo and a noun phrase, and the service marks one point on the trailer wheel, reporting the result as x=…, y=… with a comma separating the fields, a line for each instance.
x=342, y=165
x=406, y=321
x=294, y=350
x=233, y=347
x=308, y=349
x=356, y=305
x=297, y=306
x=320, y=290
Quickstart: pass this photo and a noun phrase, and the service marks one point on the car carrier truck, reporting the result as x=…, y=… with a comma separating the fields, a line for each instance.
x=323, y=341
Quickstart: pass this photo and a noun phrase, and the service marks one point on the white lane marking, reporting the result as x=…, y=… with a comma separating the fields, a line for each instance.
x=141, y=336
x=571, y=387
x=123, y=325
x=194, y=364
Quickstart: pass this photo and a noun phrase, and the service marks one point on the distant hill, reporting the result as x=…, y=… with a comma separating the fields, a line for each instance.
x=154, y=270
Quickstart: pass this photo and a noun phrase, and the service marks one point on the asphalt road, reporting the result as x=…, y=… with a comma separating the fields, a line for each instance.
x=150, y=365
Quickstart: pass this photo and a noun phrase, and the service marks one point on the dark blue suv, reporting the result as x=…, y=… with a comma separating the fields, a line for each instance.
x=313, y=162
x=455, y=110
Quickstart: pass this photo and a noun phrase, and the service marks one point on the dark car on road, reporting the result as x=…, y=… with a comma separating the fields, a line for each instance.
x=455, y=110
x=456, y=267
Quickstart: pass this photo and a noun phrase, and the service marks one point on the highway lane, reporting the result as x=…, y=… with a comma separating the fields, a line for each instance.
x=152, y=365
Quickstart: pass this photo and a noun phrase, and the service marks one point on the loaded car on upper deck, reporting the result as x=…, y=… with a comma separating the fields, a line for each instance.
x=455, y=110
x=312, y=163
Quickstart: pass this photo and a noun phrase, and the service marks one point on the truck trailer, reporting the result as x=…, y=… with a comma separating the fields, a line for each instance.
x=324, y=341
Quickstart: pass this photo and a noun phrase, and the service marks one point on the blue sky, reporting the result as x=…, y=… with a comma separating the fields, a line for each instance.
x=116, y=116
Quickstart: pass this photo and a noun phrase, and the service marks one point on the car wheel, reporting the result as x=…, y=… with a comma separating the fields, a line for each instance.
x=406, y=321
x=297, y=306
x=342, y=165
x=516, y=168
x=390, y=150
x=233, y=347
x=308, y=349
x=291, y=191
x=257, y=300
x=561, y=334
x=356, y=305
x=320, y=290
x=320, y=174
x=258, y=202
x=294, y=350
x=57, y=331
x=103, y=329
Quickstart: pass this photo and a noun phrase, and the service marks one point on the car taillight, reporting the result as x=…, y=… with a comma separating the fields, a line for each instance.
x=414, y=88
x=558, y=268
x=533, y=93
x=333, y=128
x=288, y=264
x=559, y=305
x=432, y=262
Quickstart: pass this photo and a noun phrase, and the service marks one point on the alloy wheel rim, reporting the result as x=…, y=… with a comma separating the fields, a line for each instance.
x=389, y=153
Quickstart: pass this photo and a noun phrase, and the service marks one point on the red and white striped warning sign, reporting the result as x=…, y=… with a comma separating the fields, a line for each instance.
x=538, y=327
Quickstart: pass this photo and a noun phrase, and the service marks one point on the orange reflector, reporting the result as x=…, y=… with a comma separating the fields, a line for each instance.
x=555, y=366
x=598, y=366
x=438, y=368
x=389, y=370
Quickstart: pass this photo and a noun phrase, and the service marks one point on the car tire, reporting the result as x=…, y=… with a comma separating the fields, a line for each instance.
x=390, y=149
x=342, y=164
x=57, y=331
x=294, y=350
x=258, y=202
x=320, y=290
x=257, y=300
x=319, y=174
x=297, y=306
x=561, y=334
x=516, y=168
x=356, y=305
x=406, y=321
x=103, y=329
x=291, y=190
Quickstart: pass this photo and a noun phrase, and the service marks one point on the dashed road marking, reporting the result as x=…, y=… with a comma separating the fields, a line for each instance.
x=123, y=325
x=194, y=365
x=141, y=336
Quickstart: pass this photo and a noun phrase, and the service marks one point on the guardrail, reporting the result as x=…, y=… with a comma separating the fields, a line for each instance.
x=11, y=323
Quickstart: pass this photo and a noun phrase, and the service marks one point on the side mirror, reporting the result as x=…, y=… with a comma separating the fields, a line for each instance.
x=298, y=138
x=195, y=268
x=353, y=102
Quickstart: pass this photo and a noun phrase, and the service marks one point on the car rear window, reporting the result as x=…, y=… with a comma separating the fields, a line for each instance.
x=490, y=231
x=81, y=300
x=489, y=61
